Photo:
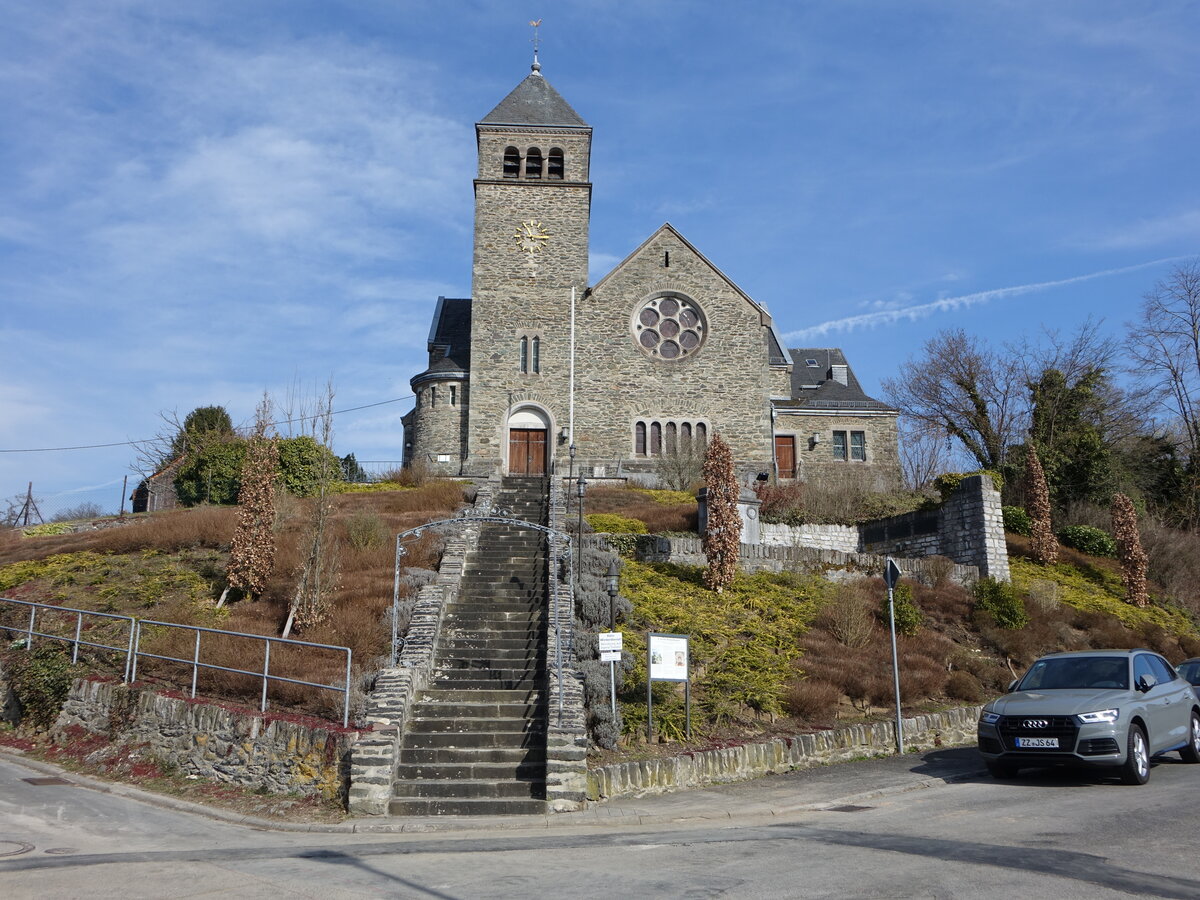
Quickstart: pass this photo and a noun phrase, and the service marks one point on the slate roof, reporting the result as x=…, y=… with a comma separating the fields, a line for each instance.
x=813, y=387
x=534, y=102
x=449, y=338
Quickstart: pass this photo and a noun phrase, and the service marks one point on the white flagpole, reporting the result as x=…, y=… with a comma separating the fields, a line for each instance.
x=571, y=387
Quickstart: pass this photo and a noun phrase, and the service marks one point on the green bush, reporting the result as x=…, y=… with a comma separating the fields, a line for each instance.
x=908, y=614
x=611, y=523
x=947, y=483
x=304, y=463
x=212, y=475
x=46, y=529
x=1017, y=521
x=41, y=678
x=1000, y=600
x=1086, y=539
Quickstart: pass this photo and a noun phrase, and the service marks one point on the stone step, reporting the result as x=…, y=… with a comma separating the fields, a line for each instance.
x=470, y=709
x=488, y=807
x=472, y=756
x=470, y=657
x=525, y=771
x=449, y=695
x=467, y=789
x=424, y=724
x=528, y=644
x=464, y=681
x=509, y=739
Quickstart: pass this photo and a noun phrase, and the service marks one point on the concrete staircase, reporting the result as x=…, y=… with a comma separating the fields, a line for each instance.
x=475, y=743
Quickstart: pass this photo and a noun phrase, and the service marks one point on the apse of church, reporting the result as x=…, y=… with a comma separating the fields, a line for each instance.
x=667, y=349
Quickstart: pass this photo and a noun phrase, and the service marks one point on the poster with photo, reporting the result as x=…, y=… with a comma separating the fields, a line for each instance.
x=668, y=657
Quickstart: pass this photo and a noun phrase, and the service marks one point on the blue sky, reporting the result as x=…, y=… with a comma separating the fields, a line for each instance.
x=200, y=202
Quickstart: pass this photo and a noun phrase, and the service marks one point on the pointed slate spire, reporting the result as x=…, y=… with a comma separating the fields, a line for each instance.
x=534, y=102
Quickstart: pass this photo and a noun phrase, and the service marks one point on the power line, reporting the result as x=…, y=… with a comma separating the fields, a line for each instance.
x=335, y=412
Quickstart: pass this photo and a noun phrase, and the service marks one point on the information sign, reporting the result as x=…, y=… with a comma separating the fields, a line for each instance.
x=668, y=657
x=613, y=656
x=611, y=640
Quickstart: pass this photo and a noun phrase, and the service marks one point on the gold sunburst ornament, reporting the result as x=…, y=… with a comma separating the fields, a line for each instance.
x=531, y=237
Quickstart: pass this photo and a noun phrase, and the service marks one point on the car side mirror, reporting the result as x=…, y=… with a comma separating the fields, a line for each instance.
x=1146, y=682
x=1012, y=686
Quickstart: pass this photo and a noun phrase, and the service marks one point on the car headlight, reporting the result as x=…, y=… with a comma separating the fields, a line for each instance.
x=1100, y=716
x=989, y=718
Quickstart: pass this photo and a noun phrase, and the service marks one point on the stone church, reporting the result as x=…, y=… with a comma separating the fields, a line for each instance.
x=638, y=368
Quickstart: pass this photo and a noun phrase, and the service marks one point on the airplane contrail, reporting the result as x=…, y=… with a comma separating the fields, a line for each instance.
x=946, y=304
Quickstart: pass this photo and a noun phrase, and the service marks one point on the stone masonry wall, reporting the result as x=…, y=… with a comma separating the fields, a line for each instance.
x=214, y=742
x=374, y=758
x=816, y=463
x=566, y=735
x=759, y=558
x=657, y=776
x=818, y=537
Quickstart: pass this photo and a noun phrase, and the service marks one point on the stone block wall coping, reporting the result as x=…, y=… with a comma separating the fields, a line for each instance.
x=639, y=778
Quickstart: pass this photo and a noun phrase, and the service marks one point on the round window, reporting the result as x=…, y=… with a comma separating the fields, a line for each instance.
x=669, y=327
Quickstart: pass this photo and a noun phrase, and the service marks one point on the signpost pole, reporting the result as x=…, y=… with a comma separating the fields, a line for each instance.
x=891, y=576
x=612, y=688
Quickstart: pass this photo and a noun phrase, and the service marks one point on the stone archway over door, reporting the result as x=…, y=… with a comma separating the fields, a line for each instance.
x=527, y=443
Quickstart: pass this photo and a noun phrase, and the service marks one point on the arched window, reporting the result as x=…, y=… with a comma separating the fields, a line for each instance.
x=554, y=165
x=655, y=439
x=537, y=355
x=524, y=355
x=512, y=162
x=533, y=163
x=701, y=433
x=685, y=436
x=672, y=443
x=639, y=438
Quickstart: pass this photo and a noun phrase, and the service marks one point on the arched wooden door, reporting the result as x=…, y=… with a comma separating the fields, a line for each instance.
x=528, y=442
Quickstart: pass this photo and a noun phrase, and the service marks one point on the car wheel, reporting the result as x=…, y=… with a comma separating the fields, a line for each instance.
x=1191, y=753
x=1136, y=769
x=1001, y=770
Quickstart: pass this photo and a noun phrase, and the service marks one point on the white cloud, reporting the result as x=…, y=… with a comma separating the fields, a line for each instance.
x=1184, y=226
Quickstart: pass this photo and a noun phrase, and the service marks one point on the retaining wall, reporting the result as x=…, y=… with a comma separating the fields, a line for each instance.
x=214, y=742
x=657, y=776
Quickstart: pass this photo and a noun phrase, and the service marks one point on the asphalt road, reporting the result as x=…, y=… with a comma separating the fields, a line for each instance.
x=1046, y=834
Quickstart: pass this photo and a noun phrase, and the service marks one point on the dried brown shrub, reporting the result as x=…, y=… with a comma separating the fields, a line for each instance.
x=723, y=528
x=849, y=615
x=961, y=685
x=812, y=701
x=1134, y=562
x=1043, y=543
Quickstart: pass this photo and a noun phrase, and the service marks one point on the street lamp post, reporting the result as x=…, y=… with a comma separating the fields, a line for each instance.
x=611, y=581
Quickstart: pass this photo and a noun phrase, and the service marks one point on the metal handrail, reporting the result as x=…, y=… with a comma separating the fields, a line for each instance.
x=133, y=649
x=77, y=641
x=265, y=674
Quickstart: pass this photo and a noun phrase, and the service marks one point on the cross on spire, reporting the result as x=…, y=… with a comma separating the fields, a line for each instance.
x=536, y=41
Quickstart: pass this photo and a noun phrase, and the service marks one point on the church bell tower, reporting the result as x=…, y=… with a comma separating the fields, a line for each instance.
x=532, y=205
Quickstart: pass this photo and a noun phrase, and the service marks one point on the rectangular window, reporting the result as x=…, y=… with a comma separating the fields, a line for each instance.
x=453, y=394
x=858, y=445
x=433, y=396
x=839, y=445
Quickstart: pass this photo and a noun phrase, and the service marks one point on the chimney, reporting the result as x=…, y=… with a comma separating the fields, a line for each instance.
x=840, y=374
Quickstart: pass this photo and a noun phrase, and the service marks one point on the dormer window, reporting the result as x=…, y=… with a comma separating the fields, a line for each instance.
x=554, y=165
x=533, y=163
x=512, y=162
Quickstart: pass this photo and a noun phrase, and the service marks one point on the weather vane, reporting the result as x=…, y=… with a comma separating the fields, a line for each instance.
x=535, y=23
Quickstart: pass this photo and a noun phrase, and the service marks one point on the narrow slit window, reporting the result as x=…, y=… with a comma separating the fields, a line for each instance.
x=433, y=395
x=453, y=395
x=524, y=355
x=554, y=165
x=537, y=355
x=533, y=163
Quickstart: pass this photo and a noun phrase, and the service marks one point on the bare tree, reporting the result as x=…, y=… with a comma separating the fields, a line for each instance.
x=925, y=453
x=1165, y=343
x=317, y=578
x=1134, y=562
x=252, y=553
x=723, y=525
x=962, y=388
x=680, y=467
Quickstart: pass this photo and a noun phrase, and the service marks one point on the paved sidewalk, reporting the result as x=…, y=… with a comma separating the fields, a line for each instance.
x=846, y=784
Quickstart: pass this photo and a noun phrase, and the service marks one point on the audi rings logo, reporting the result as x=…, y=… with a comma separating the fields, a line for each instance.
x=1035, y=723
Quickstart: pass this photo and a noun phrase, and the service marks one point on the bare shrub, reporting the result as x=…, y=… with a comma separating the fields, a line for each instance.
x=1174, y=562
x=849, y=615
x=812, y=700
x=365, y=531
x=1044, y=594
x=416, y=473
x=940, y=569
x=961, y=685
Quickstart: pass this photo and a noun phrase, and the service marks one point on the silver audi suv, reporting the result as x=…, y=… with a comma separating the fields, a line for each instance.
x=1114, y=708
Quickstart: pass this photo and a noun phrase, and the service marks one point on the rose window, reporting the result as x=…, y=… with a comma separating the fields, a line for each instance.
x=669, y=327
